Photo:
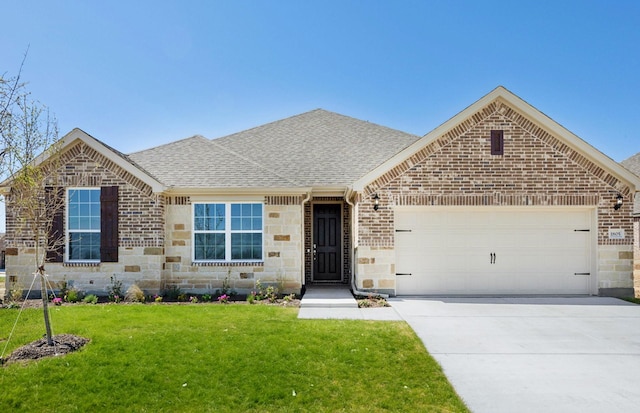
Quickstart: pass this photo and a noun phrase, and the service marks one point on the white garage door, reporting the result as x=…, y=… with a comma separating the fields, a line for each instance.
x=481, y=250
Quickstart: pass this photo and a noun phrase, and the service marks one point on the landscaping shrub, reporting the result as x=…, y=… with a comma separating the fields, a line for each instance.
x=90, y=299
x=73, y=295
x=135, y=294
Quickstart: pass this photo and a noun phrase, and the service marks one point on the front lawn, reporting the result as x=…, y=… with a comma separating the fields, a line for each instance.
x=210, y=357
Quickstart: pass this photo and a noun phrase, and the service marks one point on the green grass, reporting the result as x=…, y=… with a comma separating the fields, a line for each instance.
x=235, y=358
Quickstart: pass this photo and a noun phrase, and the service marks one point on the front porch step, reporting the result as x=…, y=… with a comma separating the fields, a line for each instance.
x=328, y=297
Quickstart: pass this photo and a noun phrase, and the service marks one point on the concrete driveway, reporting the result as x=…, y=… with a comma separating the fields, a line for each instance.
x=578, y=354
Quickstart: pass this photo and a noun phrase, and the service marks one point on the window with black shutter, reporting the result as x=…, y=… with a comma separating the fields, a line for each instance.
x=497, y=142
x=92, y=225
x=55, y=239
x=109, y=224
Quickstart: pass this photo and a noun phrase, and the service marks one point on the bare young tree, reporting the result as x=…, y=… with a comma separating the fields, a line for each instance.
x=30, y=160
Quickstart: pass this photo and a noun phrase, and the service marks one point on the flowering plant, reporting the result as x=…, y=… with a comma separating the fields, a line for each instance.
x=157, y=298
x=57, y=301
x=193, y=299
x=223, y=299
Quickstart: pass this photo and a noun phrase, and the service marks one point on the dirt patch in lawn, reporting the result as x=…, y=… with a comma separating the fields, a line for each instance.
x=62, y=344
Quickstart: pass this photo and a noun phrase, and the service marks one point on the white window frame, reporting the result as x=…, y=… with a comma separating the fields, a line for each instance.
x=68, y=230
x=227, y=231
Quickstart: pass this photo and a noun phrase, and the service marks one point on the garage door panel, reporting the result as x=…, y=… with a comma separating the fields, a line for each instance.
x=466, y=251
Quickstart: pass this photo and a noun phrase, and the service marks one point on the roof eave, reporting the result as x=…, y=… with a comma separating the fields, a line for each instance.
x=79, y=134
x=317, y=191
x=187, y=191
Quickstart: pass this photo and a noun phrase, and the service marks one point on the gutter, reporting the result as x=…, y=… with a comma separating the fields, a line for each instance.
x=302, y=250
x=354, y=237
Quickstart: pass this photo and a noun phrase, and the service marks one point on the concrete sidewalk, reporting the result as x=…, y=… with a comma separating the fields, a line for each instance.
x=337, y=302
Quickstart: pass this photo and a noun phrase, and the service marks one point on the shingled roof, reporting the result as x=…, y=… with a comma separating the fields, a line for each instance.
x=198, y=162
x=633, y=165
x=314, y=149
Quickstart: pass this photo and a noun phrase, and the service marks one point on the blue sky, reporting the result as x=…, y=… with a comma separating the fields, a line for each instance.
x=137, y=74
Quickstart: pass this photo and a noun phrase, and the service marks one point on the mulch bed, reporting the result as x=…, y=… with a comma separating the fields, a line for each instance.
x=62, y=344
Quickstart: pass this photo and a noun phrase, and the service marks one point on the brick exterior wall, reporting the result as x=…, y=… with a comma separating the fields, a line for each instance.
x=636, y=256
x=537, y=169
x=141, y=228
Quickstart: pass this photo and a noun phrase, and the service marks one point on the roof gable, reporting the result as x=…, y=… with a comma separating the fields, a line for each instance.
x=528, y=117
x=76, y=136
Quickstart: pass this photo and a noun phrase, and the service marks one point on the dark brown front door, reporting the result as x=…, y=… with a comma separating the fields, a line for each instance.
x=327, y=242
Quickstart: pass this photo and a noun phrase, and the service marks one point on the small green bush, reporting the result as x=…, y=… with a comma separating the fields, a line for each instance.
x=90, y=299
x=73, y=295
x=115, y=290
x=172, y=293
x=15, y=292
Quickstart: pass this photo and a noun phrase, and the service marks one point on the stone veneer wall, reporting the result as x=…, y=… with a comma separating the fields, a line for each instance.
x=282, y=251
x=636, y=256
x=141, y=230
x=537, y=169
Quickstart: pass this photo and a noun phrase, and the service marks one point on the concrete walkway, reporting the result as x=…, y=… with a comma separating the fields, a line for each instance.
x=337, y=302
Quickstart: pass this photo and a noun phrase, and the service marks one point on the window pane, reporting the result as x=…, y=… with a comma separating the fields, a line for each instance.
x=246, y=246
x=246, y=217
x=85, y=223
x=209, y=246
x=83, y=205
x=74, y=223
x=208, y=217
x=84, y=246
x=85, y=209
x=198, y=224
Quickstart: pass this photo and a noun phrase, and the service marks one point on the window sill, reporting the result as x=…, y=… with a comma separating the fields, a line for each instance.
x=228, y=263
x=80, y=264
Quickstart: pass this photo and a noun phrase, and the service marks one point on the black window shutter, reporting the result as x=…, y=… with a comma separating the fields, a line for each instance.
x=109, y=224
x=497, y=142
x=55, y=240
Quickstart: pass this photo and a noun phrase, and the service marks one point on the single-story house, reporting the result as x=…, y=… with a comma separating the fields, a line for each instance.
x=499, y=199
x=633, y=164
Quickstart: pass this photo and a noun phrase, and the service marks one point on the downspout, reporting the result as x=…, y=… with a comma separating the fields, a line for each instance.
x=302, y=240
x=354, y=237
